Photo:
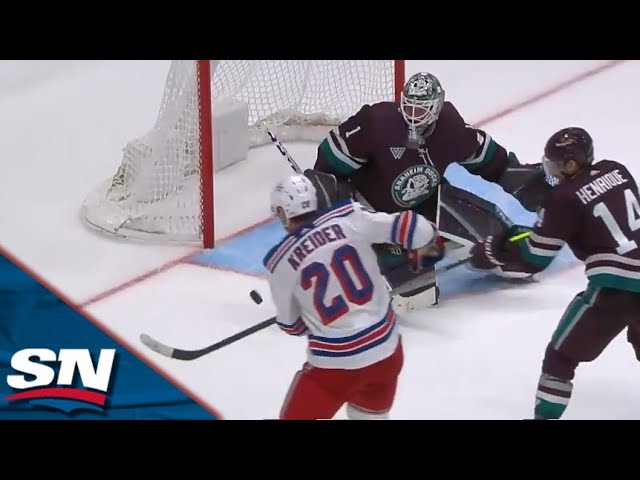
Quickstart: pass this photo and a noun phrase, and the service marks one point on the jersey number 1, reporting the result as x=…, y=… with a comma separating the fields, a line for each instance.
x=633, y=212
x=358, y=293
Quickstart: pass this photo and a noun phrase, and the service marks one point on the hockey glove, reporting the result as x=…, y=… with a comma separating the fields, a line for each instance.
x=486, y=254
x=426, y=257
x=528, y=183
x=493, y=252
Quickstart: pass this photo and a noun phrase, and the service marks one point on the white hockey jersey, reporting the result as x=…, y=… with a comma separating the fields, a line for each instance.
x=326, y=283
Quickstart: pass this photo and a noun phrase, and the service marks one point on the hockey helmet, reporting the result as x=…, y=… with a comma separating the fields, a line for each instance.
x=295, y=195
x=571, y=143
x=421, y=100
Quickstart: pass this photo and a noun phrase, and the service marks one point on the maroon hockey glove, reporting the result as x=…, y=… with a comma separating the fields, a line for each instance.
x=494, y=250
x=485, y=255
x=427, y=256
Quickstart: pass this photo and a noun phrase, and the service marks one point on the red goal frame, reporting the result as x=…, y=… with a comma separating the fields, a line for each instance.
x=206, y=143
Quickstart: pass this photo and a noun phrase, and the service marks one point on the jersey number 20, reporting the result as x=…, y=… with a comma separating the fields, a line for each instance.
x=356, y=291
x=624, y=244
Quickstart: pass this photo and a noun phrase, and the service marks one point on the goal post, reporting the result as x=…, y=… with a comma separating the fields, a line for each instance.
x=211, y=114
x=205, y=131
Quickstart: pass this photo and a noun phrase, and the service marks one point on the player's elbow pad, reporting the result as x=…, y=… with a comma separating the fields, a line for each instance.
x=426, y=233
x=411, y=230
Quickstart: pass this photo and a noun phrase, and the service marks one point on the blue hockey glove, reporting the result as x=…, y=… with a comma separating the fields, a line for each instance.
x=427, y=256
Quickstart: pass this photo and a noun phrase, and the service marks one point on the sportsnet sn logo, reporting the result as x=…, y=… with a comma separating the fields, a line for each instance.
x=57, y=385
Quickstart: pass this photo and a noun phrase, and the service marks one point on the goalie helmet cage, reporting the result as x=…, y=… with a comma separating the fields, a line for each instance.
x=163, y=190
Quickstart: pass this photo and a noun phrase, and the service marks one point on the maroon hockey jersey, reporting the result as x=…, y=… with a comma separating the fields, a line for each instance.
x=597, y=214
x=369, y=149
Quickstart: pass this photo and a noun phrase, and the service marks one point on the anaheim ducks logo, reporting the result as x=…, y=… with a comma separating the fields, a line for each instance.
x=414, y=185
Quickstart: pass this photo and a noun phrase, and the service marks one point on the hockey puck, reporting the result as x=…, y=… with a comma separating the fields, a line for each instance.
x=255, y=296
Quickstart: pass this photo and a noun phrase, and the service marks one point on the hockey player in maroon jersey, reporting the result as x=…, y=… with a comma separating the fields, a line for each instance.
x=393, y=157
x=595, y=210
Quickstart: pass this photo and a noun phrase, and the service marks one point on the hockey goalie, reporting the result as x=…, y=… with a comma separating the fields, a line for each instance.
x=391, y=156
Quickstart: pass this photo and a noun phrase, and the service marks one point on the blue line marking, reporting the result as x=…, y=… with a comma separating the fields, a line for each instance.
x=245, y=253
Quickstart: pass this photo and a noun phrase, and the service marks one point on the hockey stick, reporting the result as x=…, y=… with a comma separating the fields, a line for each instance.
x=284, y=152
x=296, y=168
x=180, y=354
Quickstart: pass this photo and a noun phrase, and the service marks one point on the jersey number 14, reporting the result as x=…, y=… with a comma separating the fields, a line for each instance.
x=633, y=212
x=345, y=264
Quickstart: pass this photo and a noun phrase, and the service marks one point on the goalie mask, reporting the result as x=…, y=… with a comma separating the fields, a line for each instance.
x=421, y=102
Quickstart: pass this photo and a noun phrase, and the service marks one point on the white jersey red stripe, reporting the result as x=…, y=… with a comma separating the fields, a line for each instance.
x=326, y=283
x=336, y=212
x=404, y=228
x=324, y=350
x=277, y=255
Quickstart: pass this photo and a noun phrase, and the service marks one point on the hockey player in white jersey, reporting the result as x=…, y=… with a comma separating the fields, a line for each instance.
x=326, y=285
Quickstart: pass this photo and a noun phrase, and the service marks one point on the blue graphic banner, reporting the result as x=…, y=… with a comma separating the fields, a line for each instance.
x=56, y=364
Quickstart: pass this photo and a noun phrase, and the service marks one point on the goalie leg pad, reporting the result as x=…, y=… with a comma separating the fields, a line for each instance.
x=469, y=217
x=394, y=264
x=416, y=300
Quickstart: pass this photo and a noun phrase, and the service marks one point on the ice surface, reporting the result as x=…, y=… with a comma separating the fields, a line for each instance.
x=477, y=355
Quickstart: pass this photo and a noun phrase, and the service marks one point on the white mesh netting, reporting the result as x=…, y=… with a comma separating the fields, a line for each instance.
x=155, y=192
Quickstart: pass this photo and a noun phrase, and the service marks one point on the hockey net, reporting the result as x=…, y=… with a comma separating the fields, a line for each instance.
x=162, y=186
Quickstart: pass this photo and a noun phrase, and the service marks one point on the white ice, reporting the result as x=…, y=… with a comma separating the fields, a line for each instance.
x=64, y=125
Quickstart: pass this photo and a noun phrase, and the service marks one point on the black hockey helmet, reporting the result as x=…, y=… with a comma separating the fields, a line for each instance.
x=571, y=143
